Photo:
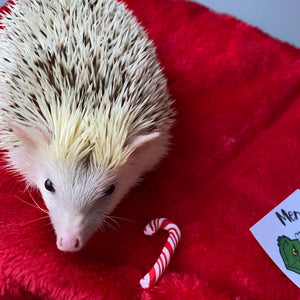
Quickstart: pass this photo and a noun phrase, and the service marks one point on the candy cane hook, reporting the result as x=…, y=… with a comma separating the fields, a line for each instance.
x=167, y=252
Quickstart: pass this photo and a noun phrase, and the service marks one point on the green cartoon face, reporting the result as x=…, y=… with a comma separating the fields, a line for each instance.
x=290, y=253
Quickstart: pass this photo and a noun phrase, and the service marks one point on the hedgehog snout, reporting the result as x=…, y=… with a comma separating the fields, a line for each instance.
x=69, y=242
x=70, y=232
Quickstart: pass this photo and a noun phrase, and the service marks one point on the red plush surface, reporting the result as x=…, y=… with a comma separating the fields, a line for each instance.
x=235, y=156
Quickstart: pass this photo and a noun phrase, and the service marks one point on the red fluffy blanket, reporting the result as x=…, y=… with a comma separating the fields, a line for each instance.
x=235, y=156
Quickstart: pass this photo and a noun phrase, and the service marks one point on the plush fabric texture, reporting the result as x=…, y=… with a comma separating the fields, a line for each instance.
x=235, y=156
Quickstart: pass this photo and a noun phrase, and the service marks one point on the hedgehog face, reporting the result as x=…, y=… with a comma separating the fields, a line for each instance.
x=78, y=199
x=79, y=194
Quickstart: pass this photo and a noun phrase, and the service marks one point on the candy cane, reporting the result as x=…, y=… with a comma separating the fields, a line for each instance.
x=167, y=252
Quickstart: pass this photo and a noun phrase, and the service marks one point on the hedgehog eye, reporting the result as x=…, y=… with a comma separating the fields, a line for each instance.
x=109, y=190
x=49, y=186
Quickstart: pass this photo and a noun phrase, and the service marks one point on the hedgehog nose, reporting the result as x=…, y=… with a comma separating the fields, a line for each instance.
x=69, y=243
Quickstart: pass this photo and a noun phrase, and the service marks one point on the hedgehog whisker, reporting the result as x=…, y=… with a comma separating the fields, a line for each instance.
x=121, y=218
x=37, y=219
x=100, y=227
x=110, y=226
x=35, y=206
x=51, y=227
x=26, y=202
x=43, y=210
x=113, y=220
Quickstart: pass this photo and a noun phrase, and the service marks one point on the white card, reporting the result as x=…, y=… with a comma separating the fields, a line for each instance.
x=279, y=234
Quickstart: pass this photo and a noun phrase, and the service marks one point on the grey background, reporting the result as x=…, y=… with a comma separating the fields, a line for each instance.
x=279, y=18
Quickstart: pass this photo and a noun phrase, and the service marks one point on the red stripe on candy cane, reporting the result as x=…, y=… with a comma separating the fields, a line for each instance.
x=167, y=252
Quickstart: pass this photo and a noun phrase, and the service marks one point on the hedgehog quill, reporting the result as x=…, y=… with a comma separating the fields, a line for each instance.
x=84, y=107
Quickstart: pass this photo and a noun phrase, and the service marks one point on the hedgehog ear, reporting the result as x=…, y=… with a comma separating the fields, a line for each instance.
x=142, y=140
x=31, y=137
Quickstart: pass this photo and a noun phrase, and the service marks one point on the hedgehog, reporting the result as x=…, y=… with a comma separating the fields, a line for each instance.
x=84, y=108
